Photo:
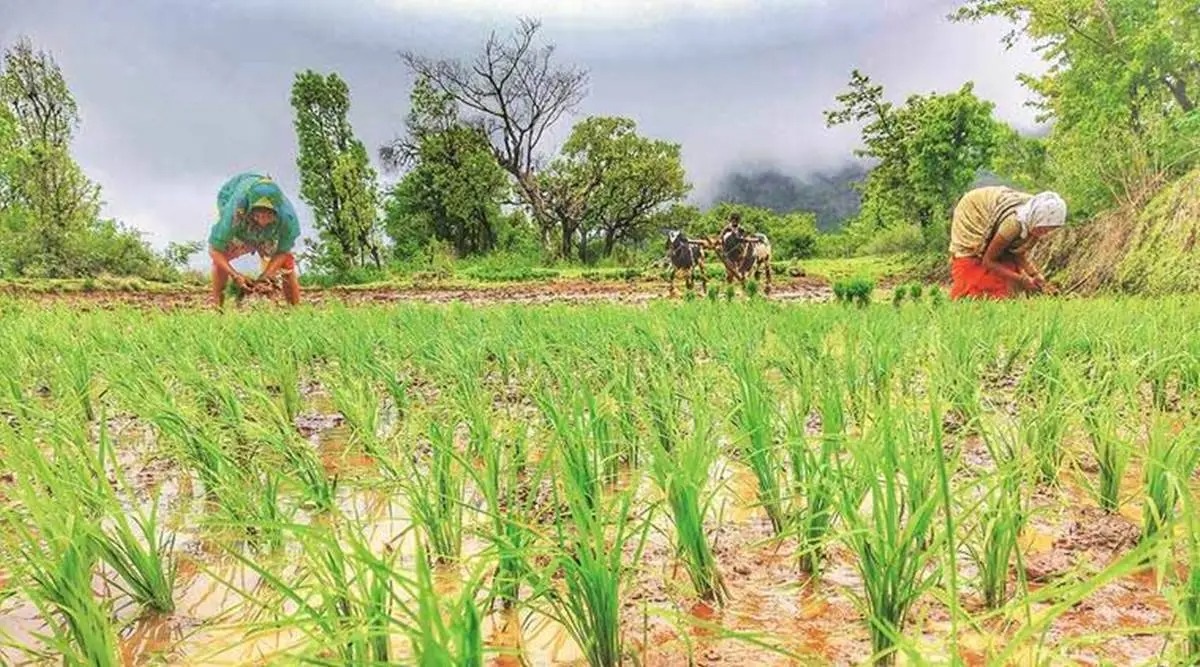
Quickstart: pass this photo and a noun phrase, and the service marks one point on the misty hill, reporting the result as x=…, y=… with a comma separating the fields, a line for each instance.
x=831, y=196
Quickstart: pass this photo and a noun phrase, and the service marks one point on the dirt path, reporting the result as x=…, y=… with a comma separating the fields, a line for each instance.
x=581, y=291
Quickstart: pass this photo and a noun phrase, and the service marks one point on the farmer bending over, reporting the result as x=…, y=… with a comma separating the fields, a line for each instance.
x=990, y=237
x=254, y=217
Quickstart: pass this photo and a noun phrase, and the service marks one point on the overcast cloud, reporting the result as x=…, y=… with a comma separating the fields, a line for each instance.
x=177, y=96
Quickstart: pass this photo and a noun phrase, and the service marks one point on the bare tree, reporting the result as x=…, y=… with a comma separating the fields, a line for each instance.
x=514, y=93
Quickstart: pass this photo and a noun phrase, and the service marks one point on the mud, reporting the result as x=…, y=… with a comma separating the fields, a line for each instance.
x=581, y=291
x=775, y=614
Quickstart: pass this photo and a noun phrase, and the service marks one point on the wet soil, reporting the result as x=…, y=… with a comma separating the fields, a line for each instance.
x=563, y=291
x=775, y=614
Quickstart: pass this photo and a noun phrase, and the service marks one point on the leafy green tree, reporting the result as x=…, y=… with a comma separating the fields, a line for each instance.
x=608, y=183
x=513, y=92
x=454, y=188
x=43, y=180
x=1121, y=88
x=336, y=179
x=928, y=151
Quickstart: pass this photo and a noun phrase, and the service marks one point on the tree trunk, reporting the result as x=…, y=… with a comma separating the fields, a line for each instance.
x=1178, y=88
x=565, y=249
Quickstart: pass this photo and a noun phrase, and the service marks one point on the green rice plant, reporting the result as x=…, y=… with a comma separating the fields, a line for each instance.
x=1043, y=424
x=730, y=292
x=680, y=460
x=285, y=373
x=344, y=596
x=1185, y=595
x=625, y=390
x=435, y=495
x=511, y=499
x=60, y=585
x=898, y=295
x=199, y=448
x=140, y=552
x=754, y=417
x=1096, y=388
x=1169, y=461
x=714, y=293
x=1002, y=514
x=436, y=642
x=320, y=490
x=889, y=535
x=752, y=288
x=591, y=561
x=957, y=373
x=266, y=526
x=915, y=291
x=77, y=367
x=854, y=291
x=359, y=404
x=585, y=439
x=1112, y=453
x=814, y=484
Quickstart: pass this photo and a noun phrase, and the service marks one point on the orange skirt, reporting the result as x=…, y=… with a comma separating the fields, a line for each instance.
x=972, y=281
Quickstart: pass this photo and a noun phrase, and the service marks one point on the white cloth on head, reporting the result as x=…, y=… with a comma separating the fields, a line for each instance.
x=1045, y=209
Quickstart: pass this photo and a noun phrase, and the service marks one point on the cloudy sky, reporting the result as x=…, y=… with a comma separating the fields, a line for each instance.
x=178, y=95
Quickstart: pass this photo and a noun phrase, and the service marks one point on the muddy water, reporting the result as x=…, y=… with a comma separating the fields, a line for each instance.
x=813, y=621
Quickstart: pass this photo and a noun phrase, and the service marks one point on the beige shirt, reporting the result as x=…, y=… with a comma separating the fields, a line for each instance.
x=981, y=210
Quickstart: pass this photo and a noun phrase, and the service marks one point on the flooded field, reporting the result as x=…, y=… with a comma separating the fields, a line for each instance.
x=748, y=483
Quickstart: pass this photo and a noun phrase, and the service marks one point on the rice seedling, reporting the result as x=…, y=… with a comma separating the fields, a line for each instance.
x=584, y=437
x=680, y=460
x=1002, y=513
x=342, y=596
x=320, y=490
x=1043, y=424
x=359, y=404
x=510, y=491
x=595, y=543
x=958, y=376
x=1186, y=593
x=60, y=585
x=755, y=418
x=814, y=485
x=140, y=552
x=1168, y=463
x=1112, y=453
x=285, y=373
x=889, y=535
x=435, y=495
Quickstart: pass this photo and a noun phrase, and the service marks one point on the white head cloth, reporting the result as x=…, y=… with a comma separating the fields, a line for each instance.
x=1045, y=209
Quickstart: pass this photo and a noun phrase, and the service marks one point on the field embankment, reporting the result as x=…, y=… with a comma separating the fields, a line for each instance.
x=1146, y=251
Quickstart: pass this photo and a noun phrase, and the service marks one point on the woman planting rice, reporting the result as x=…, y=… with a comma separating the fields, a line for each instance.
x=990, y=237
x=254, y=216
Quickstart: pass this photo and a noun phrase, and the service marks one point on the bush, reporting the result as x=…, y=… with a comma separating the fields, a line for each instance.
x=895, y=240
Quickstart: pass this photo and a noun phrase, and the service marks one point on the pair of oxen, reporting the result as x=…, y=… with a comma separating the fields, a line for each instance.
x=741, y=253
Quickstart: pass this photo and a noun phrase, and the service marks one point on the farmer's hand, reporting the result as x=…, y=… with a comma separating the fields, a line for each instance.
x=1030, y=283
x=241, y=281
x=1044, y=285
